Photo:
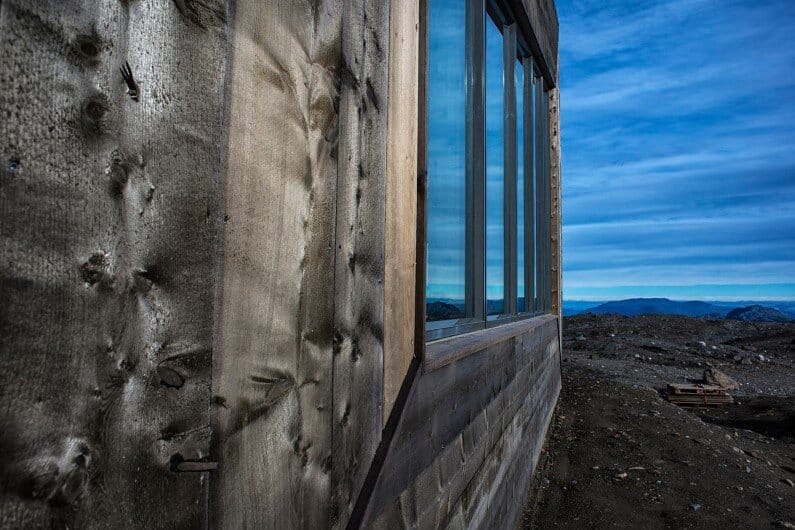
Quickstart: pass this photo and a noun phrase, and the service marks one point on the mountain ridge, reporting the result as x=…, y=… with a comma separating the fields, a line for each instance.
x=690, y=308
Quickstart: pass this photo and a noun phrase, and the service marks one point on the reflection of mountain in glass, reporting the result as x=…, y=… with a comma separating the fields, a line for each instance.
x=440, y=310
x=448, y=309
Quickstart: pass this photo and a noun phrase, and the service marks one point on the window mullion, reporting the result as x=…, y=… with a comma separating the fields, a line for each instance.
x=538, y=91
x=476, y=168
x=510, y=165
x=529, y=186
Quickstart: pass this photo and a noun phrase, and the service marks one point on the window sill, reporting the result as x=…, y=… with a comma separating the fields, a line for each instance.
x=445, y=351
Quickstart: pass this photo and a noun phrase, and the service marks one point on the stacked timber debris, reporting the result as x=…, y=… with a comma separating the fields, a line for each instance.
x=695, y=395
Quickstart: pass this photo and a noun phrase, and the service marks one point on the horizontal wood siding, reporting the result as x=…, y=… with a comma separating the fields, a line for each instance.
x=454, y=419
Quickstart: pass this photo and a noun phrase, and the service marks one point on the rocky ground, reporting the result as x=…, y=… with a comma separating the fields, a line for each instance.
x=620, y=456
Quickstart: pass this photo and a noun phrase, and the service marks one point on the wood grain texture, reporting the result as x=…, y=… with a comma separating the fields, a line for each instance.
x=430, y=500
x=443, y=352
x=359, y=268
x=543, y=19
x=275, y=330
x=401, y=198
x=107, y=209
x=557, y=210
x=493, y=498
x=465, y=404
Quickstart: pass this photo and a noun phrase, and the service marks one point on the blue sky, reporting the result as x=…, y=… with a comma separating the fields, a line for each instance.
x=678, y=148
x=678, y=120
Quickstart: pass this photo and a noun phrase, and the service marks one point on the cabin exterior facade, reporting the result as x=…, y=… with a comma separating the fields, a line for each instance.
x=214, y=219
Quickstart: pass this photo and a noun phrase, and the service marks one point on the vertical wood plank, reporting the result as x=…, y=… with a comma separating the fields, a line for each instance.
x=106, y=225
x=360, y=239
x=422, y=181
x=275, y=328
x=557, y=213
x=401, y=198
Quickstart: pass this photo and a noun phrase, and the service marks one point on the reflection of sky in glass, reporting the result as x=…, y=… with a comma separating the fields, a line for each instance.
x=446, y=149
x=519, y=78
x=494, y=165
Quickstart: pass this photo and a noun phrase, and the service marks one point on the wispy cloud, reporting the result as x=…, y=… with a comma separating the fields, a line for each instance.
x=678, y=142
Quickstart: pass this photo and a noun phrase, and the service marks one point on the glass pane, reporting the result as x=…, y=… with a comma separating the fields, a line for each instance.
x=495, y=252
x=520, y=240
x=446, y=202
x=537, y=179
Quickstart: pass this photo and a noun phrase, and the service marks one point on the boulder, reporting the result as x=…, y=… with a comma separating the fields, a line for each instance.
x=713, y=376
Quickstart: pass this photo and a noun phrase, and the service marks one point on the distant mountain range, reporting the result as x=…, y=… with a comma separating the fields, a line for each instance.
x=758, y=313
x=774, y=311
x=663, y=306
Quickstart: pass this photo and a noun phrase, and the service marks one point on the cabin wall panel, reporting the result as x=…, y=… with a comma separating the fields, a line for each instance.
x=557, y=210
x=494, y=497
x=358, y=363
x=275, y=327
x=401, y=198
x=445, y=436
x=108, y=210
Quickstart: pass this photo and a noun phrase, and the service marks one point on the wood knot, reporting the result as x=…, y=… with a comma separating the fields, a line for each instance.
x=87, y=47
x=93, y=112
x=170, y=377
x=94, y=270
x=118, y=172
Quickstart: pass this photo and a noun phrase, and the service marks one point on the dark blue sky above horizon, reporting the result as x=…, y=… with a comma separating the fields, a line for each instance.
x=678, y=130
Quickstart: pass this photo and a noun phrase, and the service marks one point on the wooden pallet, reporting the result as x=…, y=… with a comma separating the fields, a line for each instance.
x=697, y=395
x=695, y=389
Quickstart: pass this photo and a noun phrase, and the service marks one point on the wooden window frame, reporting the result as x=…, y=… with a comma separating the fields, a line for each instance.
x=518, y=45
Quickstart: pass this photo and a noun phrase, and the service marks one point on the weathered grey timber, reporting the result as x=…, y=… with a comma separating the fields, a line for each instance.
x=543, y=18
x=275, y=329
x=109, y=210
x=359, y=304
x=464, y=407
x=209, y=219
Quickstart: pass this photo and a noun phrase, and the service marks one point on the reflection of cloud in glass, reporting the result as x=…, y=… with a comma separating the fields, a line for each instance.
x=520, y=204
x=446, y=149
x=495, y=179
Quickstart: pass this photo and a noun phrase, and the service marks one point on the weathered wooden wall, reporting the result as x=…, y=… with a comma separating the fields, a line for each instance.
x=555, y=157
x=543, y=19
x=471, y=430
x=275, y=327
x=401, y=197
x=108, y=216
x=223, y=270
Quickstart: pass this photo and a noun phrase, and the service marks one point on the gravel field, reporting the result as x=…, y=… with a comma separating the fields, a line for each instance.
x=620, y=456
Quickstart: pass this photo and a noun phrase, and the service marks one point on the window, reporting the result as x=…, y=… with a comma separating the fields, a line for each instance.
x=447, y=193
x=495, y=172
x=487, y=200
